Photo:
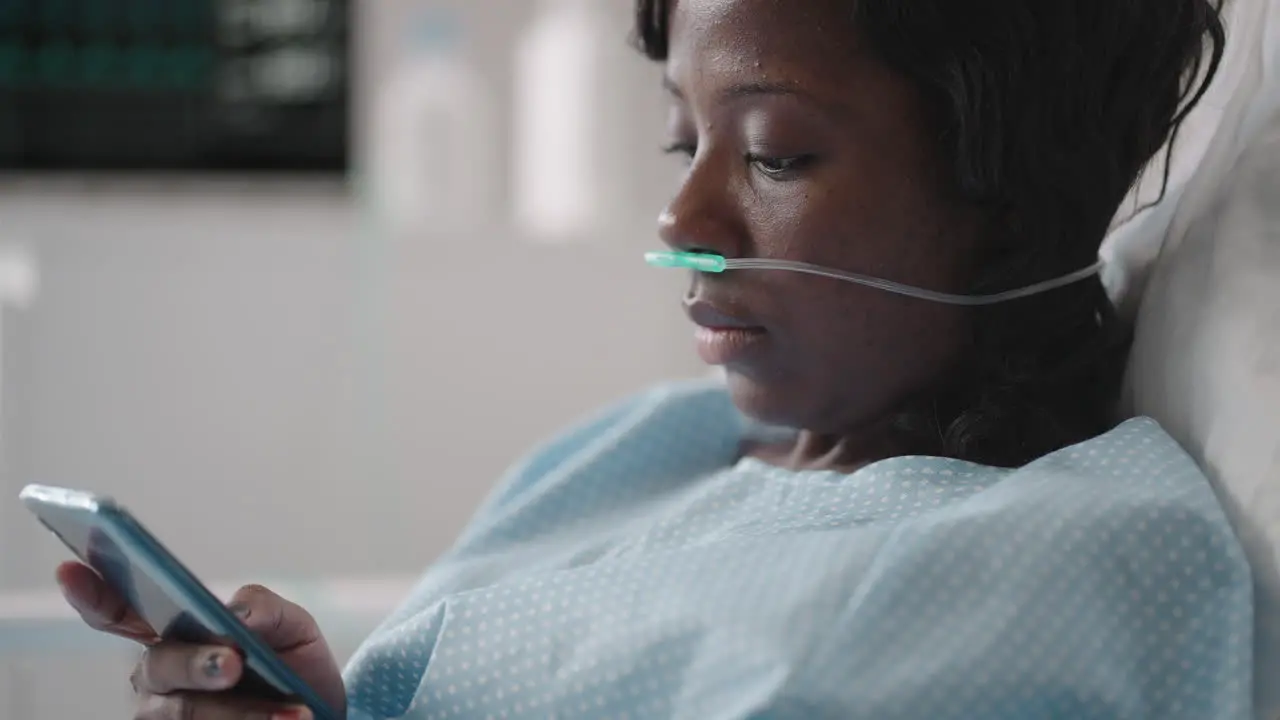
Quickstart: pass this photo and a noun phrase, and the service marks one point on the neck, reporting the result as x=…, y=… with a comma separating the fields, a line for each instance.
x=839, y=453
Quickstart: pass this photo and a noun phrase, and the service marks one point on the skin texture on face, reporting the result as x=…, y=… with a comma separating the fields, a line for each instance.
x=801, y=146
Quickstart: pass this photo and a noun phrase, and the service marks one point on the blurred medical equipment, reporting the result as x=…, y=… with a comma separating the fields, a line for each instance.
x=433, y=156
x=709, y=263
x=570, y=174
x=174, y=84
x=19, y=283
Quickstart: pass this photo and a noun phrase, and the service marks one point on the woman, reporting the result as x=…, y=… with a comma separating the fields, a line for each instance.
x=831, y=533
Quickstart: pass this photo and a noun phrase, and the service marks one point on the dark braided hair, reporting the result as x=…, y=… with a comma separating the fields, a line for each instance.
x=1047, y=112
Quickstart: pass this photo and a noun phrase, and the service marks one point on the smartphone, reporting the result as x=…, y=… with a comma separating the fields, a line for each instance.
x=104, y=536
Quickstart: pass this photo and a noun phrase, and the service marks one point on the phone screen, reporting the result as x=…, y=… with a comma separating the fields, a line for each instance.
x=84, y=535
x=147, y=599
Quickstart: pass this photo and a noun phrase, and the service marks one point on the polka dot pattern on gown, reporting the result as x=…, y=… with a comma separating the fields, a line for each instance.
x=634, y=568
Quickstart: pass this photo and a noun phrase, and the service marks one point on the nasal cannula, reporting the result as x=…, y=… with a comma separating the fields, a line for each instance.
x=710, y=263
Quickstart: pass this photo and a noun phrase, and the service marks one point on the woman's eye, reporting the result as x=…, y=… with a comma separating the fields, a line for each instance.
x=779, y=168
x=687, y=150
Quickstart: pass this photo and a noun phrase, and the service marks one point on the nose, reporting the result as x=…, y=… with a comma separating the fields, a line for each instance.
x=701, y=216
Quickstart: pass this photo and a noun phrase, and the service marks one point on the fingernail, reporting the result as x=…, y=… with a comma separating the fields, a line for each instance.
x=215, y=664
x=241, y=610
x=73, y=598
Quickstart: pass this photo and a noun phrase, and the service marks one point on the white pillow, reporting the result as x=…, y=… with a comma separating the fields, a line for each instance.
x=1201, y=271
x=1206, y=365
x=1241, y=100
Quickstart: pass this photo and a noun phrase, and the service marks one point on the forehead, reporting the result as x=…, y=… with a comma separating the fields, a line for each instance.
x=808, y=46
x=796, y=34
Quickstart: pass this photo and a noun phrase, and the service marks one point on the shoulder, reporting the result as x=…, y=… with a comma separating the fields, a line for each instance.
x=1136, y=472
x=1135, y=480
x=1127, y=509
x=1110, y=563
x=673, y=409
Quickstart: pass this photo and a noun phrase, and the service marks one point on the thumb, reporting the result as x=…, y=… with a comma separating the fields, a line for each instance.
x=281, y=624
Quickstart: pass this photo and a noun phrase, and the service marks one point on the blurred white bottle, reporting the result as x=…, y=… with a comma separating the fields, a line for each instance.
x=433, y=149
x=569, y=177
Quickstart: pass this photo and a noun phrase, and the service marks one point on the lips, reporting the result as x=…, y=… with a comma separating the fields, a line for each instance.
x=722, y=337
x=707, y=314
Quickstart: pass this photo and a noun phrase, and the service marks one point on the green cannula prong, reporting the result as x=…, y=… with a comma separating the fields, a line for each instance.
x=702, y=262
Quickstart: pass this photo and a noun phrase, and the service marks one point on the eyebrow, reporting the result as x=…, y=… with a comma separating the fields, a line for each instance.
x=742, y=90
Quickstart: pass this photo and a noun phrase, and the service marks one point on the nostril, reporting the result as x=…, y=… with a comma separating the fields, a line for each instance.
x=703, y=250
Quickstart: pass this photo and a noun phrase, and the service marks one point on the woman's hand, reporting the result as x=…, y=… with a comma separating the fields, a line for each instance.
x=184, y=682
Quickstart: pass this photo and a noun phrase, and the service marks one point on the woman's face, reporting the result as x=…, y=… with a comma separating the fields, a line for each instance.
x=802, y=146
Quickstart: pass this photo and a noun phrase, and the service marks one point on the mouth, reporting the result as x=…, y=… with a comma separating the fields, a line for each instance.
x=722, y=337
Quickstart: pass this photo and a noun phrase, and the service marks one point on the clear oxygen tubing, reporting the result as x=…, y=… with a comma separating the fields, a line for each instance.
x=709, y=263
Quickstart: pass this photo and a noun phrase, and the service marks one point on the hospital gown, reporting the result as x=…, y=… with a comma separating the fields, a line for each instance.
x=637, y=568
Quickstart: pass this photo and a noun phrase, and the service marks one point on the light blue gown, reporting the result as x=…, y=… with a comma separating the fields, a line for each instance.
x=636, y=568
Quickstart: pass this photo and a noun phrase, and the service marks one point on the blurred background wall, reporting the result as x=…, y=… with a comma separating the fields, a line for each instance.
x=286, y=366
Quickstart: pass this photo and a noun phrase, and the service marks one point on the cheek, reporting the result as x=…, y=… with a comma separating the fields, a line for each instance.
x=853, y=353
x=851, y=323
x=863, y=231
x=897, y=231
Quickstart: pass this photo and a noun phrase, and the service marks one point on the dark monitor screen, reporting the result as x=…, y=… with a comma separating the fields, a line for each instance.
x=174, y=84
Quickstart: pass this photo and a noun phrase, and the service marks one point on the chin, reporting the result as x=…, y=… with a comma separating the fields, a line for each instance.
x=773, y=403
x=806, y=402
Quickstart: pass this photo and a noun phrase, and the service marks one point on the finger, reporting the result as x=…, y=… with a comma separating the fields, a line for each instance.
x=282, y=625
x=99, y=605
x=214, y=707
x=171, y=668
